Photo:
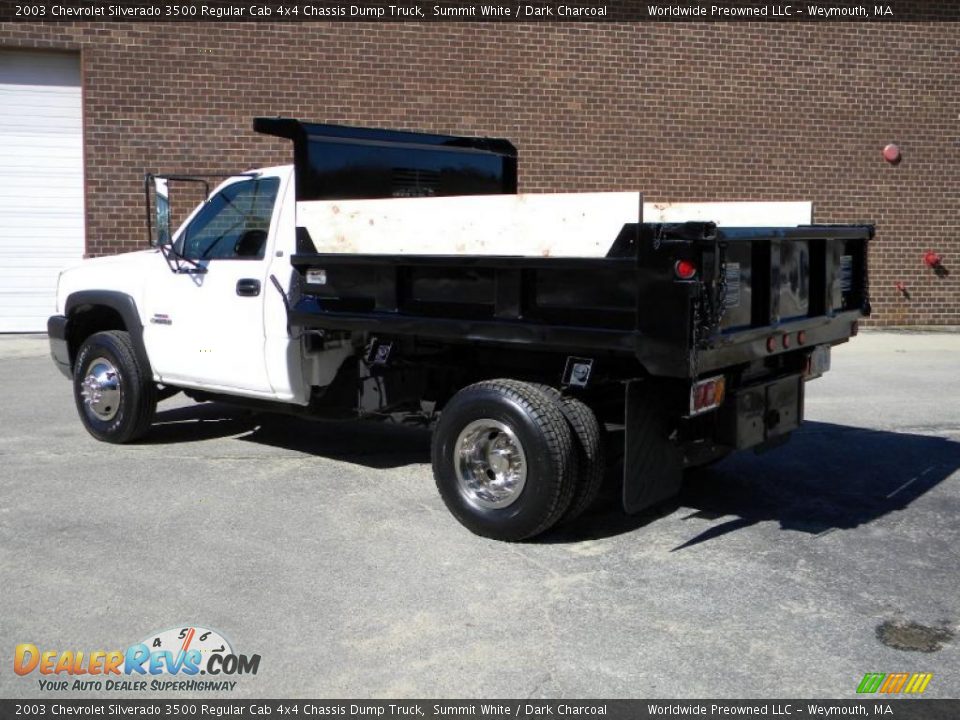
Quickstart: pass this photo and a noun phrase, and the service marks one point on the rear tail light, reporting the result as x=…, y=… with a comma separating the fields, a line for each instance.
x=784, y=341
x=685, y=269
x=707, y=394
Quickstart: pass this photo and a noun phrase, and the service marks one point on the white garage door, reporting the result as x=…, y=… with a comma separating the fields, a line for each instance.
x=41, y=183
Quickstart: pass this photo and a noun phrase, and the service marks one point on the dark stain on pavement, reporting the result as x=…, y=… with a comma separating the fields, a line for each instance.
x=914, y=637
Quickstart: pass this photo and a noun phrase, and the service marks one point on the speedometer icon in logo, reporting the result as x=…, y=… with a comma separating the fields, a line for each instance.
x=187, y=638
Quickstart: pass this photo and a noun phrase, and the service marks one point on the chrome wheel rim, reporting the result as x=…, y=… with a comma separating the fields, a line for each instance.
x=490, y=463
x=100, y=389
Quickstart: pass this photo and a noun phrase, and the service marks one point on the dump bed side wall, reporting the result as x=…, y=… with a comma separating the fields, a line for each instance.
x=542, y=225
x=536, y=225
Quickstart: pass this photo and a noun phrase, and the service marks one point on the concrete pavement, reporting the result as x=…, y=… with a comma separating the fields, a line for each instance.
x=325, y=549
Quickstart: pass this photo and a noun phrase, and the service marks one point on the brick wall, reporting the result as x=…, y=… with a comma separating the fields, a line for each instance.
x=718, y=111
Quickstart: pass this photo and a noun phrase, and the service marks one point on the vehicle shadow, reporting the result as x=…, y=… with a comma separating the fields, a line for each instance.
x=828, y=477
x=197, y=422
x=378, y=445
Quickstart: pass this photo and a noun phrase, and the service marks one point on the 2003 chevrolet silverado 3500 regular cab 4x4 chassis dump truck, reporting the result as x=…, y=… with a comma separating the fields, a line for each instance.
x=400, y=274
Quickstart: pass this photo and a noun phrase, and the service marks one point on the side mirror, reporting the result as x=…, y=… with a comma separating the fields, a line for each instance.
x=158, y=211
x=156, y=189
x=162, y=195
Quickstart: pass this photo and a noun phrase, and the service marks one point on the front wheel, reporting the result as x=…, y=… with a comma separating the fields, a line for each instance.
x=115, y=397
x=503, y=459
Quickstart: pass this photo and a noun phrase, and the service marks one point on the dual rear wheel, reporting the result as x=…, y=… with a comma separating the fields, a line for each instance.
x=512, y=459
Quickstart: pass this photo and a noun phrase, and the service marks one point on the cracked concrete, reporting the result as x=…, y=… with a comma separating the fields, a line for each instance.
x=325, y=549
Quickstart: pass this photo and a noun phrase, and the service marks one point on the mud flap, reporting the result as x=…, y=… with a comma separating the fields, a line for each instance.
x=652, y=464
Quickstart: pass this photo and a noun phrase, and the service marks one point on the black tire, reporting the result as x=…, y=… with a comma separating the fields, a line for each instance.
x=543, y=436
x=589, y=451
x=110, y=354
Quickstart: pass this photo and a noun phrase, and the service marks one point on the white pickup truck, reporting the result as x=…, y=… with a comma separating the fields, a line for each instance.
x=396, y=273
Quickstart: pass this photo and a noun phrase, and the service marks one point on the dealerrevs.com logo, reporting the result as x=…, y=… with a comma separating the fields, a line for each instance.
x=169, y=660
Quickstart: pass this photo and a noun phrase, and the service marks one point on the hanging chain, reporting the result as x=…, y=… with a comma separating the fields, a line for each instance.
x=708, y=309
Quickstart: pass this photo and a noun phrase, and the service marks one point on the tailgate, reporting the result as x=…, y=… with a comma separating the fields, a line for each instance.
x=791, y=275
x=775, y=282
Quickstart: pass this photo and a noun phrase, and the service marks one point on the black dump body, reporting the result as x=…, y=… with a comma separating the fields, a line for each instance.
x=754, y=282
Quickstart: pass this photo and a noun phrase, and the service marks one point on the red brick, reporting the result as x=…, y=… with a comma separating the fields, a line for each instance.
x=713, y=111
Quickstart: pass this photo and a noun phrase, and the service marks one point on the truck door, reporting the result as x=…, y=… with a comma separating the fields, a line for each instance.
x=206, y=328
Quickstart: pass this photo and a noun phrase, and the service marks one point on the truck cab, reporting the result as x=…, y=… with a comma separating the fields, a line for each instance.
x=215, y=321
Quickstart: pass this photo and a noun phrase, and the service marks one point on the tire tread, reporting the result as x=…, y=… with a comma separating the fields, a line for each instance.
x=590, y=451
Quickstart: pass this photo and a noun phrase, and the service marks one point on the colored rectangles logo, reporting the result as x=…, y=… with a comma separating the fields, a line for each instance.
x=893, y=683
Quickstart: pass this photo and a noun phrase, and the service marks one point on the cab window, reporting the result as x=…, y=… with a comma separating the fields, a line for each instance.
x=233, y=224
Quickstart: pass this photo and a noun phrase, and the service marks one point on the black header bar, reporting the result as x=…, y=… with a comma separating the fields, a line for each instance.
x=878, y=706
x=469, y=11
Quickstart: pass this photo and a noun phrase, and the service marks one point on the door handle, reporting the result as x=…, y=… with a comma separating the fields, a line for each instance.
x=248, y=287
